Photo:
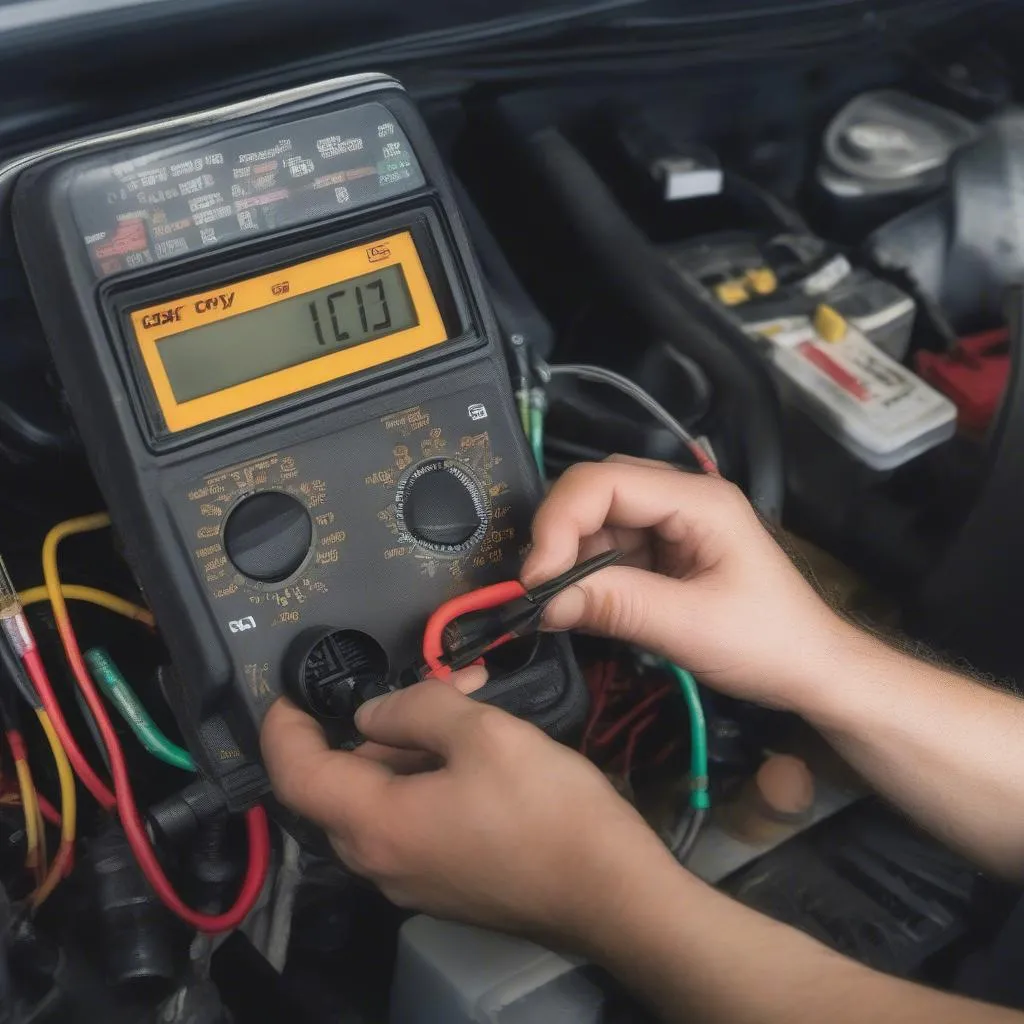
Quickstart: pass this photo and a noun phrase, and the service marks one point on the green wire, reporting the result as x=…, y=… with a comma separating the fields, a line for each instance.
x=699, y=797
x=109, y=679
x=523, y=401
x=537, y=437
x=538, y=402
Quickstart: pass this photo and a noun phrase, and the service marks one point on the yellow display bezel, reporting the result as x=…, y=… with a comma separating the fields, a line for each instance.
x=151, y=324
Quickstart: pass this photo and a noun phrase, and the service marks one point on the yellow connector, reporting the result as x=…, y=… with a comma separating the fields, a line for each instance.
x=829, y=324
x=762, y=280
x=732, y=293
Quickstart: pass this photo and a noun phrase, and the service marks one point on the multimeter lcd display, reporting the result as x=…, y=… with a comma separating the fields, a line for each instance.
x=243, y=344
x=239, y=348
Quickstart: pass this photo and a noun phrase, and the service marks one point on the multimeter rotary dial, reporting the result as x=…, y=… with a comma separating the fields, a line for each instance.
x=268, y=535
x=267, y=530
x=441, y=506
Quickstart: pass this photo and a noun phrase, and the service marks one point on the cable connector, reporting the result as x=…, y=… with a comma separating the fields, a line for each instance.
x=12, y=616
x=177, y=819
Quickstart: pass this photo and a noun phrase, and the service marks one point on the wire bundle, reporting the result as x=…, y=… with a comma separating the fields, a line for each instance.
x=67, y=819
x=623, y=709
x=39, y=691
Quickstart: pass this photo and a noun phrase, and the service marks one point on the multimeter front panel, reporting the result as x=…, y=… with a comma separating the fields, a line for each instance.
x=277, y=349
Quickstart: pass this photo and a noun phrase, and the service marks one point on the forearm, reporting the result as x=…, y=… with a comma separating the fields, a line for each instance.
x=944, y=748
x=697, y=956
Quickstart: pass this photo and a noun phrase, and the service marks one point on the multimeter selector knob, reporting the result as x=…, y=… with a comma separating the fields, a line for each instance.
x=441, y=505
x=268, y=535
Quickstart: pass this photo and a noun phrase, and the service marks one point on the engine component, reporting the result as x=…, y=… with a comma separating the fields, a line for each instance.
x=887, y=144
x=973, y=375
x=296, y=284
x=451, y=972
x=868, y=885
x=966, y=248
x=137, y=944
x=776, y=802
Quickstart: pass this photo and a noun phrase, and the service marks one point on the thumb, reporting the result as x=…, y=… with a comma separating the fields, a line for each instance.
x=628, y=604
x=430, y=716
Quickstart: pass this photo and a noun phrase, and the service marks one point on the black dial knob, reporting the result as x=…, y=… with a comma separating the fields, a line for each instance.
x=267, y=536
x=441, y=506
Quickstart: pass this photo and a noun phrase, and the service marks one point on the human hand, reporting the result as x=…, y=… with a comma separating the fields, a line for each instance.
x=703, y=582
x=509, y=830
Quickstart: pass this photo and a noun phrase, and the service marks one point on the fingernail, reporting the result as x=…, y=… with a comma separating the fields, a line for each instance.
x=565, y=611
x=364, y=711
x=533, y=572
x=468, y=680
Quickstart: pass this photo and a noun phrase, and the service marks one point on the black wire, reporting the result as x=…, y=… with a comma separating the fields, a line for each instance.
x=13, y=669
x=684, y=836
x=9, y=717
x=94, y=729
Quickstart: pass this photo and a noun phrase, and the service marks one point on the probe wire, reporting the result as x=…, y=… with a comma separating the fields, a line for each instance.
x=600, y=375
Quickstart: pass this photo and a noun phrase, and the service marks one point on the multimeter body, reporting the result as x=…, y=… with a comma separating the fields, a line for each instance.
x=279, y=353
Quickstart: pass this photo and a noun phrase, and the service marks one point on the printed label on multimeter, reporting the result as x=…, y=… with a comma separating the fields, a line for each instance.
x=231, y=348
x=157, y=204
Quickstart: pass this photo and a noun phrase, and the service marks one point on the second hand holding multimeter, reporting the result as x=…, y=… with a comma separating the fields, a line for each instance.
x=279, y=354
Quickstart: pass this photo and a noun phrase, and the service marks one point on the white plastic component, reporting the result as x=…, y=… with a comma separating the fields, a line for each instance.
x=877, y=409
x=827, y=277
x=450, y=973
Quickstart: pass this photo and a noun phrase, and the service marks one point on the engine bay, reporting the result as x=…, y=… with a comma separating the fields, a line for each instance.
x=288, y=365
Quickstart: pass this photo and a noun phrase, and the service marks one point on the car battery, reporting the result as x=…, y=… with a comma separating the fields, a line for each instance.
x=786, y=275
x=877, y=409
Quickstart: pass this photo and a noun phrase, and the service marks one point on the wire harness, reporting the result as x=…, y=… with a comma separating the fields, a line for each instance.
x=19, y=634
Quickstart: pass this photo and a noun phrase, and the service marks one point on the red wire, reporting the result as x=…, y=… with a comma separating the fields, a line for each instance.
x=634, y=712
x=131, y=820
x=476, y=600
x=634, y=736
x=41, y=681
x=595, y=713
x=50, y=813
x=704, y=460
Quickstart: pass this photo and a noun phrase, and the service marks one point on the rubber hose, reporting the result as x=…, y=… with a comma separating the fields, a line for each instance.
x=745, y=397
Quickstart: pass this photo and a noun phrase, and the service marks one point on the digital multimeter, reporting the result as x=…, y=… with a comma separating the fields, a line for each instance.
x=280, y=356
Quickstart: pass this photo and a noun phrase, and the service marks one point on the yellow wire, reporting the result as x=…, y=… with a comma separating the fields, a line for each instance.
x=54, y=591
x=90, y=595
x=30, y=807
x=51, y=574
x=44, y=856
x=68, y=812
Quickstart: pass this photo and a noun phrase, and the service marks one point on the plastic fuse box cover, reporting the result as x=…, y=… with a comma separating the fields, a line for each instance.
x=877, y=409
